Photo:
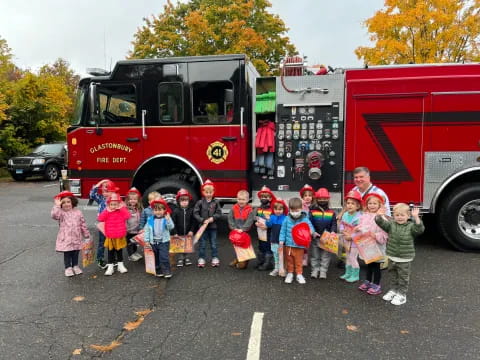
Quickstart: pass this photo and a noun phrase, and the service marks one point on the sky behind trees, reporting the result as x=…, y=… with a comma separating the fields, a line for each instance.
x=99, y=33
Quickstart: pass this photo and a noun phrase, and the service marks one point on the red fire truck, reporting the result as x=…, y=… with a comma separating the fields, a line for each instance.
x=165, y=124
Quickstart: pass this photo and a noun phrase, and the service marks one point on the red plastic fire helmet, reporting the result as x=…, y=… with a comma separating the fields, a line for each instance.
x=240, y=238
x=301, y=234
x=183, y=192
x=163, y=202
x=64, y=194
x=322, y=193
x=135, y=191
x=306, y=187
x=354, y=195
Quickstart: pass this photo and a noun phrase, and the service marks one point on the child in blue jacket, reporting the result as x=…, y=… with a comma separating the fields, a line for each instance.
x=274, y=223
x=294, y=251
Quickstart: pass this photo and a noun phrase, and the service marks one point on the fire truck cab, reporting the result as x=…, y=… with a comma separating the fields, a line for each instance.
x=165, y=124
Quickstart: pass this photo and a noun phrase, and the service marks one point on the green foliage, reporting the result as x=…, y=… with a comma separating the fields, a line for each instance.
x=34, y=108
x=214, y=27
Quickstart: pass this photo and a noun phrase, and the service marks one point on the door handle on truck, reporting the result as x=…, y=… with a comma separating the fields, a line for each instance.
x=135, y=139
x=229, y=138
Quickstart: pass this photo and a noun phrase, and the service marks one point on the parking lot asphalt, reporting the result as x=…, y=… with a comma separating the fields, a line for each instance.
x=207, y=313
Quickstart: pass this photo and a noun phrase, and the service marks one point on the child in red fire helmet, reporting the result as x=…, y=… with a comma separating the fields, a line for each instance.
x=72, y=228
x=184, y=221
x=115, y=218
x=207, y=210
x=350, y=219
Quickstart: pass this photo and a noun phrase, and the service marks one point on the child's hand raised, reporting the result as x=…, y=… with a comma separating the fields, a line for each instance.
x=57, y=202
x=415, y=212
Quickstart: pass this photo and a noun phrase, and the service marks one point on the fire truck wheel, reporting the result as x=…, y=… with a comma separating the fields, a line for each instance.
x=459, y=217
x=169, y=188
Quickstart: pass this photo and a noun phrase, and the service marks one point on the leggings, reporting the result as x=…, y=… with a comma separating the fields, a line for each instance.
x=352, y=257
x=374, y=274
x=70, y=258
x=112, y=254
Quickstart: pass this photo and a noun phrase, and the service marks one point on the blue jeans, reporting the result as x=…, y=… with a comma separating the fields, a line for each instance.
x=101, y=246
x=264, y=163
x=209, y=235
x=162, y=260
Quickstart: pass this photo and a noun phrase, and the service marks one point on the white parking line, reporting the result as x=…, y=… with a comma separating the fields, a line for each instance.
x=50, y=185
x=255, y=337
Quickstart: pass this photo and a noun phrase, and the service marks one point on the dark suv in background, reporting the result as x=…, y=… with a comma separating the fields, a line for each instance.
x=46, y=160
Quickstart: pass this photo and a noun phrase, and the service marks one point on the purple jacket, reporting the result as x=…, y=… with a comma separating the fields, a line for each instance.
x=72, y=227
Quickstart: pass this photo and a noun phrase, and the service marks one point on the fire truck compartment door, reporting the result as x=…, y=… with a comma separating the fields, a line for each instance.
x=386, y=135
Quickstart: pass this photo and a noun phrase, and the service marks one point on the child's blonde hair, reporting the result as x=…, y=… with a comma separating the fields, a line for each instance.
x=153, y=196
x=295, y=203
x=401, y=208
x=244, y=193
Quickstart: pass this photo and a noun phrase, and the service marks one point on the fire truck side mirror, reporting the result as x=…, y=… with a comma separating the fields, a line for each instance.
x=228, y=95
x=92, y=95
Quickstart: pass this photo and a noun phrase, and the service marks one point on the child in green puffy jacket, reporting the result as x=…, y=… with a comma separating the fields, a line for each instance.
x=400, y=248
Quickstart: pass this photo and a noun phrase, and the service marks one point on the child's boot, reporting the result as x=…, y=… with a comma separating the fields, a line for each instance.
x=260, y=260
x=348, y=272
x=110, y=270
x=267, y=264
x=233, y=263
x=354, y=275
x=121, y=268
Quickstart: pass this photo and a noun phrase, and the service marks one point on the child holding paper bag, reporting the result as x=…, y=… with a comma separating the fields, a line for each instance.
x=373, y=204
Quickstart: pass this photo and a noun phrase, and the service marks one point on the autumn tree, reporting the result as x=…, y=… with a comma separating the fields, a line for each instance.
x=213, y=27
x=34, y=108
x=423, y=31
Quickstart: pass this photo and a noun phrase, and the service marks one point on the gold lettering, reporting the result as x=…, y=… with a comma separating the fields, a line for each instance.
x=103, y=160
x=119, y=160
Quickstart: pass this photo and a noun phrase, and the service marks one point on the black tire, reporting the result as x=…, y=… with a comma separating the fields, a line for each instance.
x=168, y=188
x=52, y=172
x=459, y=217
x=18, y=177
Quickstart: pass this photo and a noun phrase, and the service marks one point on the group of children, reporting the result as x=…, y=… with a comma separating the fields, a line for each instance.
x=287, y=235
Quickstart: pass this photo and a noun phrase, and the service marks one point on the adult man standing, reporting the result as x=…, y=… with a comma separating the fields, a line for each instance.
x=361, y=178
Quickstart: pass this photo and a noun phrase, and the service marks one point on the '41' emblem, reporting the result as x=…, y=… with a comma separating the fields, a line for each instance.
x=217, y=152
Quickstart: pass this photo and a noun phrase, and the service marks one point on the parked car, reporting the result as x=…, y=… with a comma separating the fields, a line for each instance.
x=46, y=160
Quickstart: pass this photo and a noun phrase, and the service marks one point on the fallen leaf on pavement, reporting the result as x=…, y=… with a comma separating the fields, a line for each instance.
x=143, y=312
x=109, y=347
x=404, y=331
x=132, y=325
x=77, y=352
x=94, y=276
x=236, y=333
x=352, y=327
x=78, y=298
x=344, y=311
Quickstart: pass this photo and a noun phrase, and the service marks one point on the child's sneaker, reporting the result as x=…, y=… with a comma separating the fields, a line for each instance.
x=365, y=285
x=77, y=270
x=301, y=279
x=101, y=264
x=289, y=278
x=188, y=262
x=323, y=274
x=201, y=263
x=215, y=262
x=168, y=275
x=274, y=272
x=69, y=272
x=374, y=289
x=399, y=299
x=180, y=263
x=315, y=273
x=389, y=295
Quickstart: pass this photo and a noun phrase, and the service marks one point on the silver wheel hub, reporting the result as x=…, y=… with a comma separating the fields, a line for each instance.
x=469, y=219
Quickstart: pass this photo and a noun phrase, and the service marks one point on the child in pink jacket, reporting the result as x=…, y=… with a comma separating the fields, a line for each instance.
x=72, y=227
x=114, y=219
x=373, y=203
